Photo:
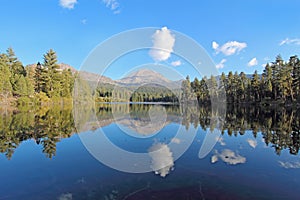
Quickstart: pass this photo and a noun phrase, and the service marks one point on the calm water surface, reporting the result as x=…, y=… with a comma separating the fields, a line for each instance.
x=43, y=157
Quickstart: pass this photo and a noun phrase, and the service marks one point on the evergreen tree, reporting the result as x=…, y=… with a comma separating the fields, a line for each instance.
x=268, y=79
x=17, y=71
x=50, y=75
x=20, y=88
x=255, y=86
x=295, y=63
x=5, y=75
x=39, y=78
x=196, y=88
x=67, y=83
x=186, y=89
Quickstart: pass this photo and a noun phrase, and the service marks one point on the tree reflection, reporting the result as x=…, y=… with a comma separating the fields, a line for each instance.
x=45, y=126
x=280, y=127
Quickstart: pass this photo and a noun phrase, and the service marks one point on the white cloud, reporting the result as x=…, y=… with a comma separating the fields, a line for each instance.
x=229, y=157
x=252, y=143
x=69, y=4
x=215, y=45
x=229, y=48
x=295, y=41
x=176, y=63
x=112, y=5
x=162, y=159
x=163, y=43
x=221, y=64
x=252, y=62
x=290, y=165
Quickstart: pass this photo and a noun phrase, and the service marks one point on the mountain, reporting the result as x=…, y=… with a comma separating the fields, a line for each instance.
x=92, y=77
x=136, y=78
x=146, y=76
x=64, y=66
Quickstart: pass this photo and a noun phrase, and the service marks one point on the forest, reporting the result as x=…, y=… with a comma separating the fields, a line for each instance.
x=278, y=84
x=41, y=83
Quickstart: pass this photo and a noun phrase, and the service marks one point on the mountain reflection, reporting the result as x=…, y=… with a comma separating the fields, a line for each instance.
x=280, y=127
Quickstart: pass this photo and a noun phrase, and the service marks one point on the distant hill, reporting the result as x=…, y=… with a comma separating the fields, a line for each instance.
x=146, y=76
x=135, y=79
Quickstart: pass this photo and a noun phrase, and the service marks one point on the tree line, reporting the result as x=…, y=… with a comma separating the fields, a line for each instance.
x=145, y=93
x=279, y=83
x=40, y=83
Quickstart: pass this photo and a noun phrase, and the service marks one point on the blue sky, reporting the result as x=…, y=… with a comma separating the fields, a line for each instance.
x=232, y=32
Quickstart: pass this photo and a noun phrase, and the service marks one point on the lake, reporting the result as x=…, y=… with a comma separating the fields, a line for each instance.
x=64, y=153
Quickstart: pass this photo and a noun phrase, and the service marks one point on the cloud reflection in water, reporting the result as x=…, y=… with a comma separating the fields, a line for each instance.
x=162, y=159
x=228, y=156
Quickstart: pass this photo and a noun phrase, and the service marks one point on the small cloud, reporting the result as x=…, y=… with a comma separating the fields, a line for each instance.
x=69, y=4
x=229, y=157
x=163, y=43
x=252, y=62
x=266, y=59
x=215, y=45
x=112, y=5
x=176, y=63
x=295, y=41
x=175, y=141
x=83, y=21
x=221, y=64
x=252, y=143
x=290, y=165
x=229, y=48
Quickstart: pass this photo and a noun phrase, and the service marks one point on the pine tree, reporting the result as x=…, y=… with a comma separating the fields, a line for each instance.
x=67, y=83
x=241, y=87
x=186, y=89
x=268, y=87
x=212, y=86
x=20, y=88
x=50, y=75
x=229, y=87
x=295, y=62
x=255, y=86
x=5, y=75
x=30, y=81
x=196, y=88
x=17, y=70
x=38, y=78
